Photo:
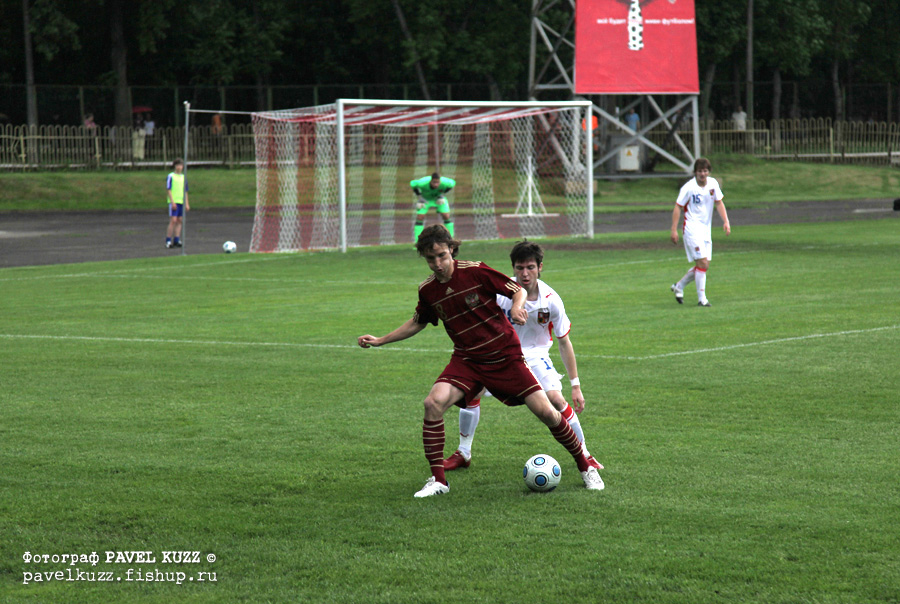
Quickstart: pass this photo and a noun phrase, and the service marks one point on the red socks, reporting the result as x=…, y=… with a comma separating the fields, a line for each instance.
x=433, y=440
x=564, y=434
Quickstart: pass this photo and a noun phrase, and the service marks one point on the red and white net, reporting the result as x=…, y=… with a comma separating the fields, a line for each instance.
x=520, y=171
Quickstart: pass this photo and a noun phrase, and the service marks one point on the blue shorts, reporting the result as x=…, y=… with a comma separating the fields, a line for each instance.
x=176, y=209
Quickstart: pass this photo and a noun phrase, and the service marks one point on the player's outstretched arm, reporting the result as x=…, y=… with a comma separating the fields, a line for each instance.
x=407, y=330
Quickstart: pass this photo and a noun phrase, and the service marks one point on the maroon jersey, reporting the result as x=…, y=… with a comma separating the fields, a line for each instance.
x=467, y=305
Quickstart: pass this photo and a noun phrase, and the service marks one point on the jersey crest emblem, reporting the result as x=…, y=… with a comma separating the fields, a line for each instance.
x=472, y=300
x=543, y=316
x=712, y=192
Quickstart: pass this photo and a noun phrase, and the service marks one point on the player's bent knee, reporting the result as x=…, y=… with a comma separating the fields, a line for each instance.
x=433, y=411
x=551, y=417
x=431, y=403
x=436, y=406
x=559, y=403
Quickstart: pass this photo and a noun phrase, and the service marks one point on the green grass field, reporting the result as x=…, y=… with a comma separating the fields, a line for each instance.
x=219, y=404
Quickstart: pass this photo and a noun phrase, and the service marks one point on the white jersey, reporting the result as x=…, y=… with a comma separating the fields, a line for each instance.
x=698, y=204
x=546, y=318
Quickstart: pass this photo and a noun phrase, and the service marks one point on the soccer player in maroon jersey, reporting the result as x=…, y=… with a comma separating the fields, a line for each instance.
x=486, y=351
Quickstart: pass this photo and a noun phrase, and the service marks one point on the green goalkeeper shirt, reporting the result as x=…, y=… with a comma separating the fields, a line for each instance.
x=422, y=187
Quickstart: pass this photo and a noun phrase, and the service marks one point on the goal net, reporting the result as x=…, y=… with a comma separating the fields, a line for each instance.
x=338, y=175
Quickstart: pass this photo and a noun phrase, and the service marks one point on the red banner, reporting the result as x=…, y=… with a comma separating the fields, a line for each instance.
x=635, y=47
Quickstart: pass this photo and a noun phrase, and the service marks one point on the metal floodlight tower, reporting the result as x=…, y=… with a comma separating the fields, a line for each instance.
x=551, y=73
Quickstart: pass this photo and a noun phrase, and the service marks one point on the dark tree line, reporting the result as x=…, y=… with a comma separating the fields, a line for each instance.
x=289, y=42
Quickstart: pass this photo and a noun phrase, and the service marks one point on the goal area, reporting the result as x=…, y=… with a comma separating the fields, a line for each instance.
x=337, y=176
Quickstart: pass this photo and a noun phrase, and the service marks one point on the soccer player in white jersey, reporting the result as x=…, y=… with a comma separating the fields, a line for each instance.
x=546, y=318
x=697, y=198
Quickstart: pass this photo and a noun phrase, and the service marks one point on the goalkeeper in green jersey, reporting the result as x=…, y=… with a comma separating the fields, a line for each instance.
x=430, y=193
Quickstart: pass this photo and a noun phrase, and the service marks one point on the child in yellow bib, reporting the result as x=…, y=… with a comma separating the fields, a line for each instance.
x=177, y=193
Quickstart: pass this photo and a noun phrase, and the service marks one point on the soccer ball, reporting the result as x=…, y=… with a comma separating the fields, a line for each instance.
x=229, y=247
x=542, y=473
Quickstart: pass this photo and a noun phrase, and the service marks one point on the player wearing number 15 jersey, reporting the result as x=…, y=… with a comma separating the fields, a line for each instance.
x=486, y=350
x=698, y=197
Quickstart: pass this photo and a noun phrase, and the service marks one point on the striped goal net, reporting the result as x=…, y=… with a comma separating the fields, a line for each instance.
x=339, y=175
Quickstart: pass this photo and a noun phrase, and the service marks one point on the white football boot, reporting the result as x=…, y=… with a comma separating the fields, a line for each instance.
x=592, y=480
x=433, y=487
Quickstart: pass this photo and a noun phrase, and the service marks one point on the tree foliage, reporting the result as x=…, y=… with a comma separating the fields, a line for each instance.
x=53, y=31
x=259, y=42
x=800, y=28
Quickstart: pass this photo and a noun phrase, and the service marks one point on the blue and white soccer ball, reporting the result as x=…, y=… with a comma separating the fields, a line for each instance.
x=229, y=247
x=542, y=473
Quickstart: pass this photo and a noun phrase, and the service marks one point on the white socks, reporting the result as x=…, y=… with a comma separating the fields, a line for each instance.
x=700, y=278
x=468, y=421
x=688, y=277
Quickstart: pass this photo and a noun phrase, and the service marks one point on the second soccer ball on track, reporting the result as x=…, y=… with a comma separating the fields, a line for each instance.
x=542, y=473
x=229, y=247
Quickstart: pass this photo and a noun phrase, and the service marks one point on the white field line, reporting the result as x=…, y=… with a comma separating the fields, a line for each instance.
x=813, y=336
x=436, y=350
x=204, y=342
x=679, y=257
x=281, y=281
x=142, y=271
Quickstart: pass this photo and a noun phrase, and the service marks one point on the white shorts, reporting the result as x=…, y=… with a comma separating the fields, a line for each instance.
x=543, y=370
x=546, y=374
x=697, y=247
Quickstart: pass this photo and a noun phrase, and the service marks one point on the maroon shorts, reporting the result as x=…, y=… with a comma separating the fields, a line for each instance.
x=510, y=382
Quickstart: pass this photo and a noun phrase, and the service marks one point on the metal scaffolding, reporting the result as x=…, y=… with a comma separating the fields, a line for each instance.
x=551, y=75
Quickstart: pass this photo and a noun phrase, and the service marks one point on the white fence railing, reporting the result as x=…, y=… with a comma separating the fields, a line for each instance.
x=805, y=139
x=76, y=147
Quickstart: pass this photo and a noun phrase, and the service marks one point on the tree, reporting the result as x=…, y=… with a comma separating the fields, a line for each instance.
x=231, y=41
x=31, y=97
x=877, y=59
x=132, y=25
x=845, y=19
x=266, y=30
x=790, y=34
x=728, y=19
x=119, y=61
x=411, y=48
x=448, y=39
x=46, y=29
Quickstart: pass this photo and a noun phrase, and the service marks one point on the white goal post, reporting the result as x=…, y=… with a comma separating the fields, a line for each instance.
x=337, y=176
